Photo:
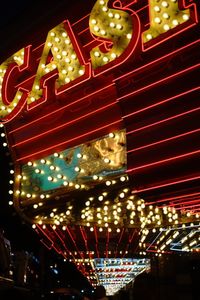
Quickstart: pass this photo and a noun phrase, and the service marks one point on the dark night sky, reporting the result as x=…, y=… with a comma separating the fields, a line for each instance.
x=25, y=21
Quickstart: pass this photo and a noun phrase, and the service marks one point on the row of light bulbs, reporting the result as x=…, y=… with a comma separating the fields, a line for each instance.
x=154, y=213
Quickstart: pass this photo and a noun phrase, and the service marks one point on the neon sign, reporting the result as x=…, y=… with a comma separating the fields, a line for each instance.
x=102, y=115
x=118, y=35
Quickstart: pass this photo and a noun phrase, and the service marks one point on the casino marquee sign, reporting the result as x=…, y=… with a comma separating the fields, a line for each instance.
x=81, y=109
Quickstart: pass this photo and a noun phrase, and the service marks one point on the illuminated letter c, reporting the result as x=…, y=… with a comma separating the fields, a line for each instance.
x=13, y=99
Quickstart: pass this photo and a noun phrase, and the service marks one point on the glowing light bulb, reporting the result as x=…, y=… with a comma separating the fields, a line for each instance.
x=157, y=20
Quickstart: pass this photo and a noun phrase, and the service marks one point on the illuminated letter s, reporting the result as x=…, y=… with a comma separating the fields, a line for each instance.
x=113, y=29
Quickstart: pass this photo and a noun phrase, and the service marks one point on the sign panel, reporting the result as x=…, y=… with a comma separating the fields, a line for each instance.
x=98, y=101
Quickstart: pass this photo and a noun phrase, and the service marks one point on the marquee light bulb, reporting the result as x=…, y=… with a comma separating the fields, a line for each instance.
x=166, y=27
x=104, y=8
x=157, y=20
